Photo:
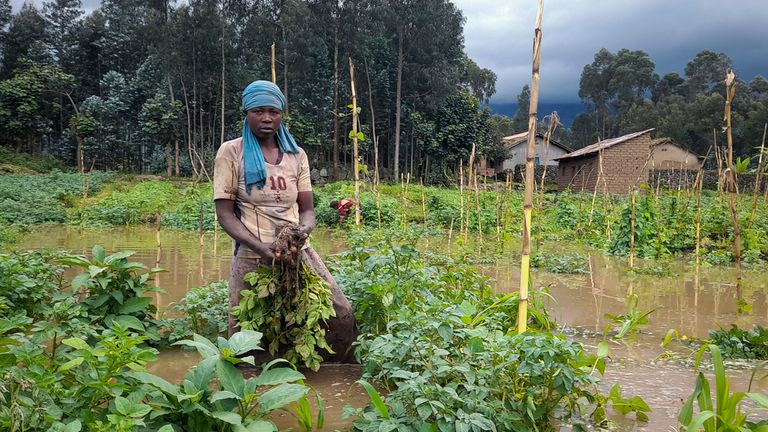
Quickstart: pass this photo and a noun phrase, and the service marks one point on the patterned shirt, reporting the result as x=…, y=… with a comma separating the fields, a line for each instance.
x=264, y=209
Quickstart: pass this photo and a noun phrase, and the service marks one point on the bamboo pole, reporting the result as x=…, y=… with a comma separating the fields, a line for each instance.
x=632, y=232
x=423, y=204
x=553, y=120
x=470, y=178
x=594, y=192
x=405, y=181
x=525, y=261
x=461, y=197
x=274, y=68
x=356, y=165
x=756, y=192
x=699, y=184
x=730, y=82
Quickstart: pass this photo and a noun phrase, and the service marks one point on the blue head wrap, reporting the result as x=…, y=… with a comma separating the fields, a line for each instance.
x=262, y=94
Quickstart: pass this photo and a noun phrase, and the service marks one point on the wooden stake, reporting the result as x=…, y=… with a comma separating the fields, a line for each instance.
x=730, y=82
x=525, y=261
x=461, y=197
x=632, y=234
x=356, y=165
x=423, y=204
x=274, y=69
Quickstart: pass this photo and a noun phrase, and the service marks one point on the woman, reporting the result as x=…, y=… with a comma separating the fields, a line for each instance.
x=261, y=181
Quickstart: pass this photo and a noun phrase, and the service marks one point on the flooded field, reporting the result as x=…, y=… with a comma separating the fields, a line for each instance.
x=691, y=300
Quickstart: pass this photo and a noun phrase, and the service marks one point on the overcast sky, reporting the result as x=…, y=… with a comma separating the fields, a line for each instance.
x=499, y=33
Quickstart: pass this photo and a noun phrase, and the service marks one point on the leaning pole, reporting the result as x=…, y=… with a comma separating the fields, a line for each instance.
x=525, y=261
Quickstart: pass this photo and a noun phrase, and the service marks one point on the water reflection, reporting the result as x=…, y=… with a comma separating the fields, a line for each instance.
x=692, y=300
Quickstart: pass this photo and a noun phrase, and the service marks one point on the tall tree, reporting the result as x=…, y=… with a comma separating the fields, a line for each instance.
x=25, y=38
x=520, y=119
x=480, y=81
x=706, y=71
x=62, y=18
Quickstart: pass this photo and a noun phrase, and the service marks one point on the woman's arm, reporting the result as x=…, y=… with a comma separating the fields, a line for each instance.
x=225, y=211
x=306, y=211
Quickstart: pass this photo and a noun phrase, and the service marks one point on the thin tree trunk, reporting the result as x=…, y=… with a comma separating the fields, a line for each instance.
x=354, y=142
x=525, y=262
x=336, y=104
x=285, y=68
x=398, y=100
x=175, y=138
x=374, y=137
x=190, y=132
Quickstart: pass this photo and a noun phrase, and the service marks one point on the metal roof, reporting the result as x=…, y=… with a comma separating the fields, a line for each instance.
x=522, y=137
x=602, y=145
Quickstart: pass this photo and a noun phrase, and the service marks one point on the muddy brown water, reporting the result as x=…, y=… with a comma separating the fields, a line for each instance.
x=691, y=300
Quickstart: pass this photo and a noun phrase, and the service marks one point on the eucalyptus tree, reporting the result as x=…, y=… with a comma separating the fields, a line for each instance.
x=25, y=38
x=62, y=22
x=481, y=82
x=705, y=72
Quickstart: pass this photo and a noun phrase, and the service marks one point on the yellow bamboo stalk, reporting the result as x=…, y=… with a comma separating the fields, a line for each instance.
x=730, y=82
x=525, y=261
x=356, y=165
x=461, y=197
x=470, y=178
x=274, y=68
x=423, y=204
x=699, y=184
x=632, y=234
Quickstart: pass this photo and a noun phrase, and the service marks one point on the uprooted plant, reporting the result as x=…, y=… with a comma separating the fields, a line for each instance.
x=288, y=303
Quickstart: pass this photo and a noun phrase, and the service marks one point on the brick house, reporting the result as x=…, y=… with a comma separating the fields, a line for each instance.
x=625, y=165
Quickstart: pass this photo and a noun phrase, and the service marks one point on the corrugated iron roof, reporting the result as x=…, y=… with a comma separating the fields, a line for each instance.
x=522, y=137
x=602, y=145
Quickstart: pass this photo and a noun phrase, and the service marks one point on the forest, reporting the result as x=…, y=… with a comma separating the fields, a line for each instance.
x=153, y=86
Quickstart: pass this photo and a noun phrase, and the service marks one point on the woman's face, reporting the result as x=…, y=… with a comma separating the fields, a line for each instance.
x=264, y=121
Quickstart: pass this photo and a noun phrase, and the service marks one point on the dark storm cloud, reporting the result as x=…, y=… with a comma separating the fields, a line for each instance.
x=499, y=34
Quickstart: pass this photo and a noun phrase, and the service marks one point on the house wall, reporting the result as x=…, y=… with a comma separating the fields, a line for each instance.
x=670, y=156
x=625, y=165
x=517, y=155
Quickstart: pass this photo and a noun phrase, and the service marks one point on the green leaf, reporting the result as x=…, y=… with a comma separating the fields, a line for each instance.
x=73, y=426
x=256, y=426
x=98, y=253
x=118, y=256
x=203, y=346
x=72, y=363
x=277, y=376
x=157, y=382
x=167, y=428
x=224, y=394
x=128, y=321
x=244, y=341
x=280, y=396
x=135, y=304
x=761, y=399
x=375, y=398
x=697, y=421
x=230, y=378
x=76, y=343
x=201, y=375
x=603, y=349
x=80, y=280
x=228, y=417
